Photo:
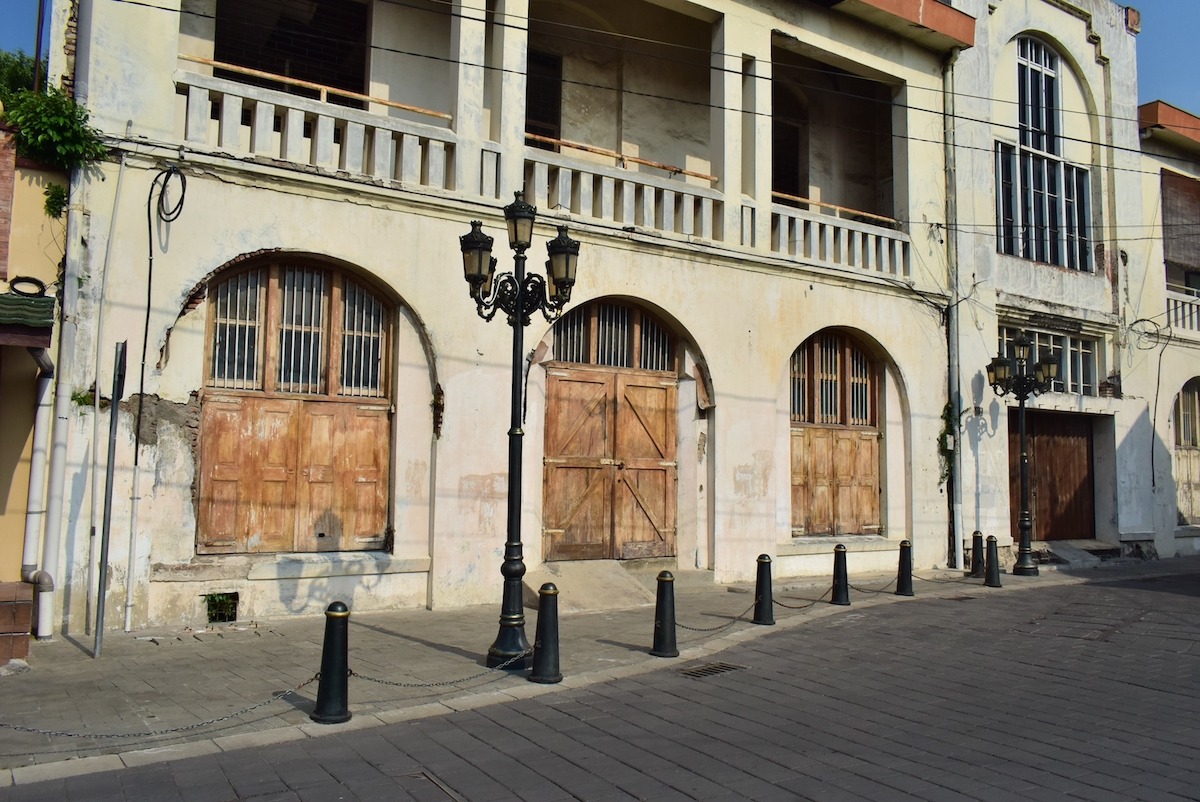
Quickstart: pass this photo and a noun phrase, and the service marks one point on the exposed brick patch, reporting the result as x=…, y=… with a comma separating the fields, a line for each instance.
x=8, y=170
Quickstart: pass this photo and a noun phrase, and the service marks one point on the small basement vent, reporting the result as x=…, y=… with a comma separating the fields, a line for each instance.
x=709, y=670
x=221, y=607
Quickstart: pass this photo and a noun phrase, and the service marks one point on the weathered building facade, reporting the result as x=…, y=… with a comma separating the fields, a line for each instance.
x=791, y=277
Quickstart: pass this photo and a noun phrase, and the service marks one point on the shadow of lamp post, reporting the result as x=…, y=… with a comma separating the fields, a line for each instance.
x=1013, y=375
x=518, y=295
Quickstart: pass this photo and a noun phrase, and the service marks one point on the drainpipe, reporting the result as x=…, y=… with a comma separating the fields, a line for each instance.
x=35, y=510
x=954, y=548
x=62, y=412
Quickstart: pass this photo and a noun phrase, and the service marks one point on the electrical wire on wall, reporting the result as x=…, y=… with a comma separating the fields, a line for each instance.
x=165, y=211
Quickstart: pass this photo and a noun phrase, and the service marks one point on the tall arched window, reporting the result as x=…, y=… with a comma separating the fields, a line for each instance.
x=836, y=437
x=295, y=421
x=1042, y=201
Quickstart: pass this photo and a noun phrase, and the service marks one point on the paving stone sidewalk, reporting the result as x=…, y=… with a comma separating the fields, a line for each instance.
x=162, y=681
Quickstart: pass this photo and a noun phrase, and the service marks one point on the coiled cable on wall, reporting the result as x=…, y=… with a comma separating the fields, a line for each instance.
x=165, y=212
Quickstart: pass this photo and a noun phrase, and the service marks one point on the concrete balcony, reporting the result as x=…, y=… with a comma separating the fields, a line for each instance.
x=225, y=117
x=1183, y=313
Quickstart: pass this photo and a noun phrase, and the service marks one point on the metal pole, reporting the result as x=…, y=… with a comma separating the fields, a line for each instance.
x=117, y=391
x=1025, y=564
x=510, y=641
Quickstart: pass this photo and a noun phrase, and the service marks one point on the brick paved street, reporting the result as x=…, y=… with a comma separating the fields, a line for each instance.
x=1049, y=688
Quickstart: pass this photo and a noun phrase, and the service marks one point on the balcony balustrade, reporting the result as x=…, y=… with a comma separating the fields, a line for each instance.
x=1183, y=311
x=220, y=115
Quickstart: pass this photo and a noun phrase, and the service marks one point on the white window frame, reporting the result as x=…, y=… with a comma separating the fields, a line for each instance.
x=1043, y=208
x=1079, y=358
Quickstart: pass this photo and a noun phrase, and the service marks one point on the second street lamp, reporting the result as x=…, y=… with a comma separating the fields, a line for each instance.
x=1013, y=375
x=518, y=295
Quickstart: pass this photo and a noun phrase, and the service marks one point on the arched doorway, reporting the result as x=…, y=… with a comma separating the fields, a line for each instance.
x=836, y=437
x=609, y=489
x=295, y=411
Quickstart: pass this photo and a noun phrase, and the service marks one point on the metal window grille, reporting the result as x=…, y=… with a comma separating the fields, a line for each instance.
x=861, y=413
x=302, y=331
x=237, y=332
x=570, y=337
x=799, y=371
x=612, y=336
x=1078, y=368
x=829, y=379
x=656, y=346
x=363, y=334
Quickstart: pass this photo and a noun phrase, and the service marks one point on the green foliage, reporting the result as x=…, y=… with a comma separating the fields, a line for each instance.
x=56, y=200
x=948, y=435
x=16, y=75
x=53, y=130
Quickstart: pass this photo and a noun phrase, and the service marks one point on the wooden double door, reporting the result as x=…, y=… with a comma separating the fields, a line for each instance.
x=1061, y=480
x=835, y=480
x=279, y=475
x=609, y=488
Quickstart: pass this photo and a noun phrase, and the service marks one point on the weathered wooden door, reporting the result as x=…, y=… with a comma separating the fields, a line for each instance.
x=610, y=470
x=288, y=475
x=835, y=480
x=1187, y=484
x=248, y=464
x=1061, y=482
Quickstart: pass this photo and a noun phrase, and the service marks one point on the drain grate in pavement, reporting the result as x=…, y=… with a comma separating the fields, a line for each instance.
x=417, y=784
x=709, y=670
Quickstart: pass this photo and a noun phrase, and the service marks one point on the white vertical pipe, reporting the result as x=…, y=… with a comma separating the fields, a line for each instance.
x=35, y=515
x=52, y=541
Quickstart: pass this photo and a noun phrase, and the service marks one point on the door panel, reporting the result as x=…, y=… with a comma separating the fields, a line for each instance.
x=1061, y=482
x=644, y=503
x=835, y=481
x=1187, y=484
x=579, y=470
x=609, y=487
x=282, y=475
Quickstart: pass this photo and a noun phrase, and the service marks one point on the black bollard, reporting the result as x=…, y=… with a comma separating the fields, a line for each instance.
x=976, y=555
x=764, y=612
x=904, y=573
x=333, y=699
x=545, y=643
x=841, y=582
x=664, y=617
x=993, y=564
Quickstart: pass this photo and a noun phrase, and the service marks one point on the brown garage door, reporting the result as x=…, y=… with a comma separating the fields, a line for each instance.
x=1061, y=482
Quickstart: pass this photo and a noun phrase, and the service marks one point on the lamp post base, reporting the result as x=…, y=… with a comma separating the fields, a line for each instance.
x=511, y=650
x=1025, y=570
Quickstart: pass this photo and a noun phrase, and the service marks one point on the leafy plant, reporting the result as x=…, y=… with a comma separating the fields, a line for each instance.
x=16, y=74
x=53, y=130
x=56, y=200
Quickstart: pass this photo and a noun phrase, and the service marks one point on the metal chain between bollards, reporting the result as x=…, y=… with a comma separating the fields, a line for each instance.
x=443, y=683
x=726, y=625
x=884, y=589
x=806, y=605
x=962, y=581
x=275, y=697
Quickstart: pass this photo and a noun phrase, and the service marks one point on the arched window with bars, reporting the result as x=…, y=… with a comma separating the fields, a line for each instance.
x=295, y=411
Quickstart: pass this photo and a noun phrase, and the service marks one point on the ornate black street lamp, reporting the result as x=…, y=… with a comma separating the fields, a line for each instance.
x=1012, y=375
x=519, y=296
